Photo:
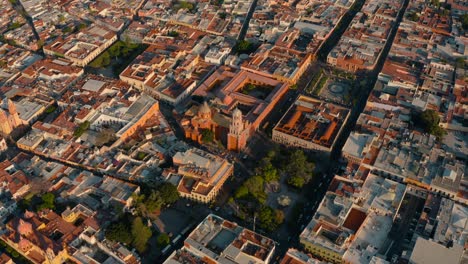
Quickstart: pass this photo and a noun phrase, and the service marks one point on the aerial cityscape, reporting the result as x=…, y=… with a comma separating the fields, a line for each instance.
x=234, y=131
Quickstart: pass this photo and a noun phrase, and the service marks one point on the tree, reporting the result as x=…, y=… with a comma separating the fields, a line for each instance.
x=217, y=2
x=101, y=61
x=141, y=234
x=269, y=173
x=413, y=16
x=173, y=33
x=139, y=204
x=207, y=135
x=163, y=240
x=67, y=29
x=269, y=218
x=429, y=121
x=460, y=62
x=114, y=50
x=252, y=187
x=222, y=15
x=241, y=192
x=279, y=216
x=82, y=128
x=141, y=155
x=464, y=21
x=299, y=169
x=154, y=202
x=266, y=162
x=296, y=181
x=48, y=201
x=168, y=193
x=61, y=18
x=186, y=5
x=271, y=154
x=255, y=185
x=119, y=232
x=81, y=26
x=243, y=46
x=14, y=25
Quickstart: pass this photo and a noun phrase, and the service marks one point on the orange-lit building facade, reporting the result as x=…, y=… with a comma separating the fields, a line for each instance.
x=237, y=112
x=311, y=124
x=232, y=131
x=9, y=118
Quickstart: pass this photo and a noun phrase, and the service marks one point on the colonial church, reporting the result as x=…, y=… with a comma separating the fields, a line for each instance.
x=9, y=117
x=233, y=131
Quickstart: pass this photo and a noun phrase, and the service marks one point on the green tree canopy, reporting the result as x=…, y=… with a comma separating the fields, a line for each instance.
x=222, y=15
x=296, y=181
x=429, y=121
x=269, y=219
x=81, y=128
x=168, y=193
x=173, y=33
x=119, y=232
x=186, y=5
x=244, y=46
x=299, y=169
x=464, y=21
x=460, y=62
x=255, y=185
x=163, y=240
x=252, y=187
x=153, y=200
x=141, y=234
x=48, y=201
x=241, y=192
x=269, y=173
x=266, y=168
x=207, y=135
x=413, y=16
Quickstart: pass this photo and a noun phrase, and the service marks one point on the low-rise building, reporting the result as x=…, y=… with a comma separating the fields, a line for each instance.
x=311, y=124
x=82, y=47
x=9, y=117
x=7, y=203
x=241, y=100
x=429, y=252
x=216, y=240
x=294, y=256
x=43, y=238
x=282, y=63
x=200, y=175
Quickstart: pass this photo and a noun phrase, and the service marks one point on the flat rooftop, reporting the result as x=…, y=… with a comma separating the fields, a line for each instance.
x=224, y=241
x=313, y=120
x=429, y=252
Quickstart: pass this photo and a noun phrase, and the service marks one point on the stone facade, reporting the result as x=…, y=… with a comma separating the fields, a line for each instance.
x=9, y=118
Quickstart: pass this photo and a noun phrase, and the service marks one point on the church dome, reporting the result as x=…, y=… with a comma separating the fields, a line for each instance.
x=204, y=110
x=236, y=113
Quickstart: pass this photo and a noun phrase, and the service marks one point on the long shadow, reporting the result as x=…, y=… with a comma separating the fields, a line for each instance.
x=19, y=8
x=339, y=30
x=371, y=78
